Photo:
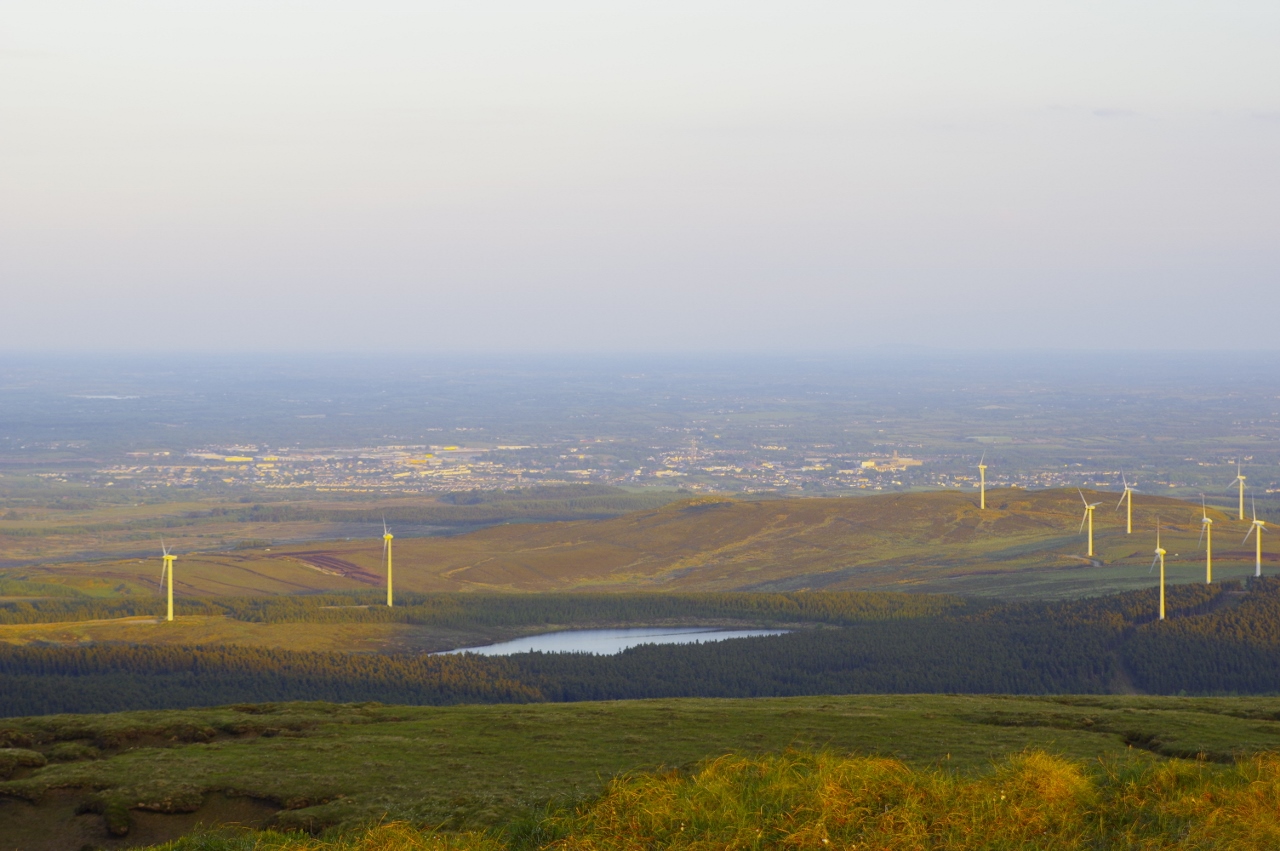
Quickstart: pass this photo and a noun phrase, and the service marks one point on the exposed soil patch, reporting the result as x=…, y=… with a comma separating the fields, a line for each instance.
x=331, y=564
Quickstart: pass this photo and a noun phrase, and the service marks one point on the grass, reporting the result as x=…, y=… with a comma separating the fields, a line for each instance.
x=826, y=800
x=1025, y=545
x=477, y=767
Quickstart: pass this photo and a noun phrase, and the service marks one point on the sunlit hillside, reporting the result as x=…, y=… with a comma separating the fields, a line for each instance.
x=1027, y=543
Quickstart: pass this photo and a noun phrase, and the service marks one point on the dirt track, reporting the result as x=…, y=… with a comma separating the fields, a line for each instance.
x=328, y=563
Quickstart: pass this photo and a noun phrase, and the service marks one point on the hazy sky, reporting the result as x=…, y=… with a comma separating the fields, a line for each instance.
x=573, y=176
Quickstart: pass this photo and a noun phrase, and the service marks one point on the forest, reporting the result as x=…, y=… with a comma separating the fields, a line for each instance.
x=476, y=609
x=1220, y=639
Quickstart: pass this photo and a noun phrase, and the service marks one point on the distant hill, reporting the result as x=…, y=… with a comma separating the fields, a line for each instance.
x=1026, y=544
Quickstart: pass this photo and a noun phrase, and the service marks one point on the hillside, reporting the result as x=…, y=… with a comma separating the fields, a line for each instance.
x=105, y=524
x=1027, y=544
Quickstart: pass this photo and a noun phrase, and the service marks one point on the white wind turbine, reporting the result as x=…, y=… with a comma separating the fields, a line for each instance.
x=1239, y=481
x=167, y=572
x=1206, y=535
x=1160, y=553
x=1127, y=496
x=1088, y=518
x=386, y=555
x=982, y=482
x=1256, y=526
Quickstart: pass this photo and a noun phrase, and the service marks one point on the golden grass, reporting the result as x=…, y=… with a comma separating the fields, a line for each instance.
x=820, y=801
x=893, y=540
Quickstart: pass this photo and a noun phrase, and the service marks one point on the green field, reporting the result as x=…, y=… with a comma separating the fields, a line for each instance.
x=315, y=765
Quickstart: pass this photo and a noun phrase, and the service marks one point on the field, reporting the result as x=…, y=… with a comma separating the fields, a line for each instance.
x=1026, y=545
x=312, y=765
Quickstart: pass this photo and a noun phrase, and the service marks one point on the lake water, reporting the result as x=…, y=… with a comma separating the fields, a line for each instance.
x=605, y=642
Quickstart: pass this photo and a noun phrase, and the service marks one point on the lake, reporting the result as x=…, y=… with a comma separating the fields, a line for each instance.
x=605, y=642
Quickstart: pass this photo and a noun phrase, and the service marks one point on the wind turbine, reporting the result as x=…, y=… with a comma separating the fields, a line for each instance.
x=1160, y=553
x=1256, y=526
x=1206, y=535
x=1240, y=481
x=1127, y=496
x=1088, y=518
x=167, y=571
x=982, y=482
x=386, y=552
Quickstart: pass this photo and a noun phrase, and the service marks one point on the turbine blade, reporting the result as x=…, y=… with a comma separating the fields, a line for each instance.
x=1201, y=541
x=1082, y=499
x=1082, y=520
x=1248, y=534
x=1121, y=502
x=1154, y=561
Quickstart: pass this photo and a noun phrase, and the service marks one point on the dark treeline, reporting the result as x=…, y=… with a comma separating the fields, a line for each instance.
x=40, y=680
x=1218, y=640
x=475, y=609
x=459, y=611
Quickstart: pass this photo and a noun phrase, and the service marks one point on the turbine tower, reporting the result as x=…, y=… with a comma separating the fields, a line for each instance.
x=1206, y=535
x=1240, y=481
x=167, y=572
x=1127, y=496
x=1256, y=526
x=1088, y=518
x=982, y=482
x=386, y=552
x=1160, y=552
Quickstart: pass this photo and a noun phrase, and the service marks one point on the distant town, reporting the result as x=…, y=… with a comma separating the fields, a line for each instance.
x=428, y=468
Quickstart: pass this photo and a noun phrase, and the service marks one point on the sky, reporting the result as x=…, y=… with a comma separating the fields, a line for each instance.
x=699, y=176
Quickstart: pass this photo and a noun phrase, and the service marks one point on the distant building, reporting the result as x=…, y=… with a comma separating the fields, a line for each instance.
x=884, y=465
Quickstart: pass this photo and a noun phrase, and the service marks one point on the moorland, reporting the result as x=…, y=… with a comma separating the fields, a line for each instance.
x=150, y=776
x=1027, y=544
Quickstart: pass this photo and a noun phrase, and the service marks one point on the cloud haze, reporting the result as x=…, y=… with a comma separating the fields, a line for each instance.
x=570, y=176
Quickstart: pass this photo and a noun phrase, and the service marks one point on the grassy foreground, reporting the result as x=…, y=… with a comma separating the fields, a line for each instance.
x=805, y=800
x=154, y=776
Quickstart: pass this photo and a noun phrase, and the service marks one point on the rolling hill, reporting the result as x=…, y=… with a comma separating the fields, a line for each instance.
x=1027, y=544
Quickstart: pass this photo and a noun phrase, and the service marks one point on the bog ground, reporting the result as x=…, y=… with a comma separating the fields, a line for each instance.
x=309, y=765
